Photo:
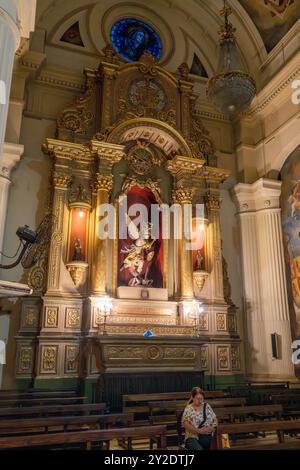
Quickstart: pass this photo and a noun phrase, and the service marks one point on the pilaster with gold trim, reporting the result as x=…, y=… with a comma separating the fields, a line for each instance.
x=214, y=245
x=183, y=197
x=182, y=168
x=108, y=154
x=103, y=186
x=108, y=72
x=61, y=183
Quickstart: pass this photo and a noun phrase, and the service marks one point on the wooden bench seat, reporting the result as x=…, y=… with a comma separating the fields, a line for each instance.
x=255, y=412
x=293, y=445
x=138, y=403
x=158, y=433
x=230, y=414
x=52, y=410
x=20, y=402
x=65, y=423
x=5, y=394
x=159, y=407
x=277, y=427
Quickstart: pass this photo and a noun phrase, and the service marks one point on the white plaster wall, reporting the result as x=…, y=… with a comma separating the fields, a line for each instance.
x=29, y=189
x=232, y=253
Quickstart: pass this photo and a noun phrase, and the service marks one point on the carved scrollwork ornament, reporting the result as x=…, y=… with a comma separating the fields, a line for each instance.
x=226, y=282
x=199, y=140
x=148, y=65
x=79, y=194
x=77, y=118
x=148, y=183
x=103, y=134
x=184, y=71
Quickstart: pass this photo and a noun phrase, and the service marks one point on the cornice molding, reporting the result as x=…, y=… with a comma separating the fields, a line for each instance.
x=275, y=87
x=261, y=195
x=11, y=156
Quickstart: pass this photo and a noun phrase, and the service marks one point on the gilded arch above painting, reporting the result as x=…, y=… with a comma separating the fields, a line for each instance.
x=163, y=104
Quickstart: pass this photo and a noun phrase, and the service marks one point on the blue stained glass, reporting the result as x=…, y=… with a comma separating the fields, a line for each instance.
x=132, y=38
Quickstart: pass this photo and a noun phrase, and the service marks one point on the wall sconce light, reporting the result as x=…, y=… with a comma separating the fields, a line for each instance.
x=275, y=343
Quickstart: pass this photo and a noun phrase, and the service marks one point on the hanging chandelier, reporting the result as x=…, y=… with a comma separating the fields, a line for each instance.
x=232, y=89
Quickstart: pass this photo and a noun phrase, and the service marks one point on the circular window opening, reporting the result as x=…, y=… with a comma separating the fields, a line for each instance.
x=132, y=38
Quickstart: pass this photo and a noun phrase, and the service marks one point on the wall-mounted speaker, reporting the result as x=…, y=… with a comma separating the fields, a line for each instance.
x=275, y=345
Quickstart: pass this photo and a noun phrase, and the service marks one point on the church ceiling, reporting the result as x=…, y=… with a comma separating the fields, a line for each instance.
x=273, y=18
x=188, y=30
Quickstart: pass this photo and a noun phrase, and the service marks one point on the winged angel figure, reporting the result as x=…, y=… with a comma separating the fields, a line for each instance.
x=139, y=255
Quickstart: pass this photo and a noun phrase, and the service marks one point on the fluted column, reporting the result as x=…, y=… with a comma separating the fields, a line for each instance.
x=264, y=280
x=184, y=196
x=103, y=187
x=61, y=183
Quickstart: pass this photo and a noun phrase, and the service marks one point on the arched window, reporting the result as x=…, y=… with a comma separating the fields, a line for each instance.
x=132, y=38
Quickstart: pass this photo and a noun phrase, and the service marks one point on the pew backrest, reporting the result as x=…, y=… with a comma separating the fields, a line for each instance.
x=88, y=437
x=41, y=401
x=52, y=410
x=65, y=422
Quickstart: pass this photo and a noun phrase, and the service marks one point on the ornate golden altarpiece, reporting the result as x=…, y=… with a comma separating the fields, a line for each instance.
x=126, y=105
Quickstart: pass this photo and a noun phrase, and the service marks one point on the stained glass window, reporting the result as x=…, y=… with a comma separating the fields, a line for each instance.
x=132, y=38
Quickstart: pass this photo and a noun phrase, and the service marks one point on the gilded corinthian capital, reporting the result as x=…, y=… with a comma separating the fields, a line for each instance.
x=104, y=182
x=213, y=202
x=183, y=195
x=61, y=180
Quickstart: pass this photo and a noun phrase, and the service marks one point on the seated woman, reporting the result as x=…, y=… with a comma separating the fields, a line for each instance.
x=199, y=422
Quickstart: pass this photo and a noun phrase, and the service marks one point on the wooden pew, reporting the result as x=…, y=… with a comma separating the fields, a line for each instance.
x=290, y=403
x=139, y=403
x=259, y=412
x=20, y=402
x=64, y=423
x=224, y=415
x=158, y=433
x=160, y=407
x=293, y=445
x=6, y=394
x=52, y=410
x=259, y=393
x=278, y=427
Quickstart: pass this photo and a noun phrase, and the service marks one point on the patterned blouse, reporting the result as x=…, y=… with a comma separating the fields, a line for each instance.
x=195, y=418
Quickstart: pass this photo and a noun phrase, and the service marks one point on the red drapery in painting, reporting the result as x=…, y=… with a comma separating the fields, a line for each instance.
x=141, y=266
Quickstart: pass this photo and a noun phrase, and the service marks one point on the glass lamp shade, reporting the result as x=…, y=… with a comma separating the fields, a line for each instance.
x=231, y=90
